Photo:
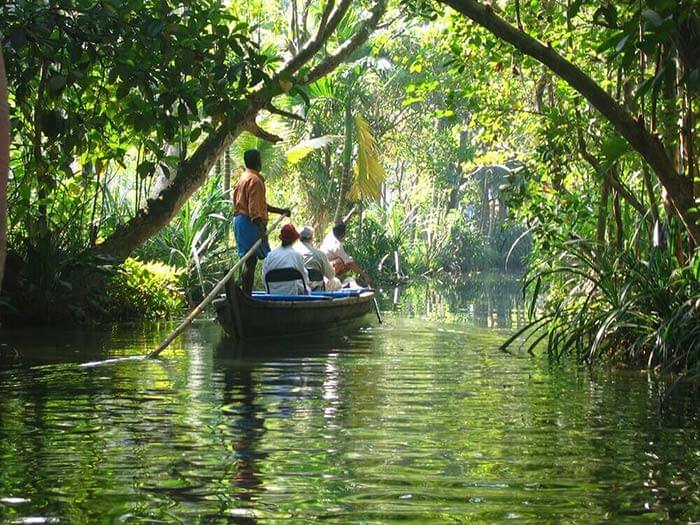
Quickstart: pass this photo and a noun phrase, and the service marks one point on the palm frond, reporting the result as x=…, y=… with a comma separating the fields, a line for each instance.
x=299, y=152
x=369, y=174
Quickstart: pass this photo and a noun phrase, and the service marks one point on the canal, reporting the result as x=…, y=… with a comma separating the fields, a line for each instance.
x=420, y=419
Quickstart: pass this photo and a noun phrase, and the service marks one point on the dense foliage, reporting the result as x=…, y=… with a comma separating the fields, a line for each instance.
x=464, y=139
x=610, y=146
x=143, y=291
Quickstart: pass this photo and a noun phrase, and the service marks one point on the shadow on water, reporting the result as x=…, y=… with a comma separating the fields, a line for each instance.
x=61, y=345
x=248, y=425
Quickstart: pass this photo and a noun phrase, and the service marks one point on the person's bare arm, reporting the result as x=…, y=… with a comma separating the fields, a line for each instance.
x=352, y=266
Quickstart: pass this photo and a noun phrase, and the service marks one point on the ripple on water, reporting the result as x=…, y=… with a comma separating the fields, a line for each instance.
x=412, y=421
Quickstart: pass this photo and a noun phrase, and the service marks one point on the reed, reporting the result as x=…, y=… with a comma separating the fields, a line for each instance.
x=602, y=305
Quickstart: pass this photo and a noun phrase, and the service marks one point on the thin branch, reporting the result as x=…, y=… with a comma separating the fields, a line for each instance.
x=283, y=113
x=613, y=180
x=517, y=14
x=349, y=46
x=324, y=16
x=313, y=46
x=256, y=130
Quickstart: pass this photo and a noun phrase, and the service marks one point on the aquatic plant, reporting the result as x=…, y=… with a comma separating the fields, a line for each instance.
x=607, y=306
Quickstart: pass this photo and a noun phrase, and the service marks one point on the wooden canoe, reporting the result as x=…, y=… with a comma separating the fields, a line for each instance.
x=264, y=316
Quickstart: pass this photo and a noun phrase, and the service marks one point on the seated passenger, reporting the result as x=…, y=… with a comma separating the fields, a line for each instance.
x=337, y=255
x=315, y=259
x=285, y=256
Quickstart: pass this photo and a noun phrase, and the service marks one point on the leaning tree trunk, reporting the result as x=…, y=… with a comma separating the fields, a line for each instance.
x=678, y=187
x=192, y=172
x=4, y=164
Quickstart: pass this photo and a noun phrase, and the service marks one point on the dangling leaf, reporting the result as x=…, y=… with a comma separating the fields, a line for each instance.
x=368, y=173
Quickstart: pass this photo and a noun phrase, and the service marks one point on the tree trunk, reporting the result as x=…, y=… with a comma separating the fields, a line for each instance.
x=4, y=165
x=227, y=171
x=346, y=175
x=38, y=159
x=651, y=195
x=679, y=188
x=602, y=211
x=617, y=215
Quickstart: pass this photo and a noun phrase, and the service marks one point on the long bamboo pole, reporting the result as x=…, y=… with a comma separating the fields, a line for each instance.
x=212, y=295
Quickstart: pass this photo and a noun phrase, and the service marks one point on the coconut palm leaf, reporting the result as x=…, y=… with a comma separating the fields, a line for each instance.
x=369, y=174
x=299, y=152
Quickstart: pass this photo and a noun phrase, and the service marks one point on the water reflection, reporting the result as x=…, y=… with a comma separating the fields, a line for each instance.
x=248, y=427
x=419, y=419
x=490, y=301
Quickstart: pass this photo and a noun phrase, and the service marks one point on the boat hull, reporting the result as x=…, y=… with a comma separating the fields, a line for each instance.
x=243, y=317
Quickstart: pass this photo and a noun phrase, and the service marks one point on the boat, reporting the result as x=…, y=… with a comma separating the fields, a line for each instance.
x=265, y=316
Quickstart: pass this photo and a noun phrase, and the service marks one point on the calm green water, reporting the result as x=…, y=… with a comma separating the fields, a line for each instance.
x=418, y=420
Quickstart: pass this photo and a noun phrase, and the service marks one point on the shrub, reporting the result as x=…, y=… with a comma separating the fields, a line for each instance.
x=607, y=305
x=144, y=290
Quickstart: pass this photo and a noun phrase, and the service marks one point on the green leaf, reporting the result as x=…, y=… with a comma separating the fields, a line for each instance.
x=574, y=8
x=52, y=123
x=123, y=89
x=297, y=91
x=155, y=27
x=611, y=41
x=652, y=17
x=622, y=43
x=145, y=169
x=692, y=81
x=195, y=134
x=56, y=84
x=615, y=148
x=301, y=150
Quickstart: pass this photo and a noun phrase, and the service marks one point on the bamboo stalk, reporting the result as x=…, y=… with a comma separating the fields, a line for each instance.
x=212, y=295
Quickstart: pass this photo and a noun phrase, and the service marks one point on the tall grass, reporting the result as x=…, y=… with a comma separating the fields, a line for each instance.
x=198, y=241
x=603, y=305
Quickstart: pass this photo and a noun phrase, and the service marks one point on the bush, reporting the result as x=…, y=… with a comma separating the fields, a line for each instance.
x=620, y=307
x=465, y=250
x=144, y=290
x=368, y=243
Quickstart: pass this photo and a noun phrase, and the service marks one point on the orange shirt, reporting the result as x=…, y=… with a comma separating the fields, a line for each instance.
x=249, y=196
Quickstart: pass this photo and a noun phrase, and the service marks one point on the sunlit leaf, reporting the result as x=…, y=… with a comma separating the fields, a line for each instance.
x=301, y=150
x=369, y=174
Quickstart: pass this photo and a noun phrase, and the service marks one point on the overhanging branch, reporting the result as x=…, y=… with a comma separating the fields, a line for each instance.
x=647, y=145
x=256, y=130
x=283, y=113
x=349, y=46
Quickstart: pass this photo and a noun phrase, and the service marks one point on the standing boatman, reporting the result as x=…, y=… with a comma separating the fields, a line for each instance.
x=250, y=212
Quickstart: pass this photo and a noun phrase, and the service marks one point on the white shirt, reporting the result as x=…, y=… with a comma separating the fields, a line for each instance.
x=333, y=249
x=315, y=259
x=287, y=257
